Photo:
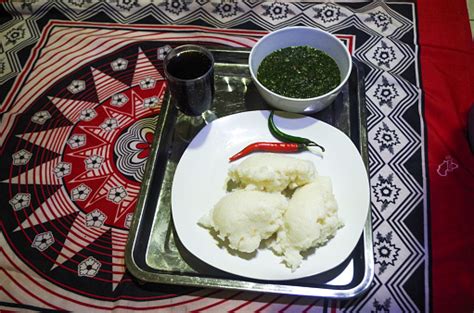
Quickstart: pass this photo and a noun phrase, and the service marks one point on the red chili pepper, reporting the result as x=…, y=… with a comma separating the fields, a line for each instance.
x=282, y=147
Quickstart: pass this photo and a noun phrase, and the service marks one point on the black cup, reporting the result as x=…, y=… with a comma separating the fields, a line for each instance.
x=189, y=71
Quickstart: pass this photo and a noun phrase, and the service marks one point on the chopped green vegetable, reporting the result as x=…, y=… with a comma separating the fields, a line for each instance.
x=299, y=72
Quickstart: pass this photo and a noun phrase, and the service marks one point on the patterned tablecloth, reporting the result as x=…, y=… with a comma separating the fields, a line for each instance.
x=81, y=88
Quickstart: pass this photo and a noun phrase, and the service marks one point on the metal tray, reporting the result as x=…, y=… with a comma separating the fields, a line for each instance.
x=155, y=254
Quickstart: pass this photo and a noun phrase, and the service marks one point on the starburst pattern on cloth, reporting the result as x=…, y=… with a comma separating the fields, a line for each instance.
x=385, y=251
x=384, y=54
x=277, y=10
x=387, y=138
x=329, y=13
x=386, y=93
x=386, y=191
x=99, y=197
x=381, y=19
x=227, y=8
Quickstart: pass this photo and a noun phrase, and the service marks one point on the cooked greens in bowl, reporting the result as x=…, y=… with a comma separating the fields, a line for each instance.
x=292, y=82
x=299, y=72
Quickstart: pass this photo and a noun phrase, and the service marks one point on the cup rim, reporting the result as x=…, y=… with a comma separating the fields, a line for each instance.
x=300, y=100
x=188, y=47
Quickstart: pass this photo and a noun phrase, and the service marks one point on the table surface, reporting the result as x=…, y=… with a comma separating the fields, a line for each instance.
x=81, y=88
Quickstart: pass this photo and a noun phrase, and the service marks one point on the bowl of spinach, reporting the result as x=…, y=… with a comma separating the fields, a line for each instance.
x=300, y=69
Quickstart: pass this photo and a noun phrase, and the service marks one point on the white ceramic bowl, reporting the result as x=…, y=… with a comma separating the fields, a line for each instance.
x=300, y=36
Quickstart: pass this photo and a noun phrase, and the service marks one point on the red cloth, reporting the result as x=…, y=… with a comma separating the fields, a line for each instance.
x=447, y=53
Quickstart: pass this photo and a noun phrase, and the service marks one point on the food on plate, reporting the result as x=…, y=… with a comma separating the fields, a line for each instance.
x=261, y=146
x=310, y=221
x=246, y=217
x=272, y=172
x=259, y=209
x=299, y=72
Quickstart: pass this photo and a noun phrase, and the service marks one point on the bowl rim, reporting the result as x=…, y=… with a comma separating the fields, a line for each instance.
x=302, y=100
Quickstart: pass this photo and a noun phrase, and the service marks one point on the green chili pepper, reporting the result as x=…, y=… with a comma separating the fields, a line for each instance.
x=278, y=134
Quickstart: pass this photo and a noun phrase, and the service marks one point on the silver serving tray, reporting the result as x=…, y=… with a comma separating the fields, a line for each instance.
x=154, y=253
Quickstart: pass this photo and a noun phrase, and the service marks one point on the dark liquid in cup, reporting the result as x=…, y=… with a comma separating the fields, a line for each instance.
x=192, y=97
